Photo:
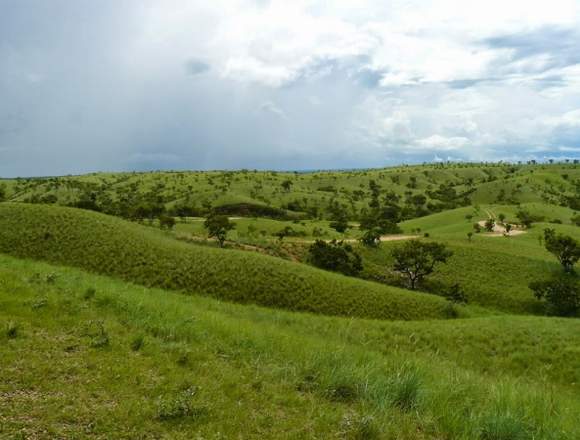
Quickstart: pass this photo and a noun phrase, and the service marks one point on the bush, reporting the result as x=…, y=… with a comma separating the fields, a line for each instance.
x=335, y=256
x=561, y=293
x=137, y=342
x=11, y=330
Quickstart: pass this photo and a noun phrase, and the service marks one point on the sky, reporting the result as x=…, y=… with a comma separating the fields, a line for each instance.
x=119, y=85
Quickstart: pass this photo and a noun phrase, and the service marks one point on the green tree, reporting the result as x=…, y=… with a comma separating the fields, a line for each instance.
x=287, y=185
x=565, y=248
x=489, y=224
x=371, y=237
x=336, y=256
x=416, y=259
x=561, y=293
x=218, y=227
x=166, y=222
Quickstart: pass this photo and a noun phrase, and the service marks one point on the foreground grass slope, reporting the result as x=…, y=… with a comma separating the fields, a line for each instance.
x=107, y=245
x=129, y=362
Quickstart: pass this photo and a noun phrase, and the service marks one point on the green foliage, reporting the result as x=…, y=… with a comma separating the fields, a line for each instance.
x=561, y=293
x=371, y=237
x=166, y=222
x=416, y=259
x=565, y=248
x=143, y=255
x=218, y=227
x=336, y=256
x=180, y=406
x=11, y=330
x=489, y=225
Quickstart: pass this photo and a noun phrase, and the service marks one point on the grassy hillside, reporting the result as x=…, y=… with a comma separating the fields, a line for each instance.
x=308, y=194
x=108, y=245
x=494, y=271
x=85, y=356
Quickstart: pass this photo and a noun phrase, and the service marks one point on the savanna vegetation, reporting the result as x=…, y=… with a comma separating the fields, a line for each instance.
x=416, y=302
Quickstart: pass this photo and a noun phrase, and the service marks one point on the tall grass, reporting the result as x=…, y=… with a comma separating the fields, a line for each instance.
x=107, y=245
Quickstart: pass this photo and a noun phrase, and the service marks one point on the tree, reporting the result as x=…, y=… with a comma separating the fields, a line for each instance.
x=525, y=218
x=371, y=237
x=501, y=217
x=287, y=185
x=489, y=224
x=416, y=259
x=562, y=294
x=218, y=227
x=335, y=256
x=508, y=228
x=564, y=248
x=456, y=294
x=166, y=221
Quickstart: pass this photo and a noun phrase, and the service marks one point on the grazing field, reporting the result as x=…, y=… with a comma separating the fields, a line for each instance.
x=426, y=302
x=107, y=245
x=90, y=356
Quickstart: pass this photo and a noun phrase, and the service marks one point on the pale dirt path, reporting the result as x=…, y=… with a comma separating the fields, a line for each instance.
x=500, y=231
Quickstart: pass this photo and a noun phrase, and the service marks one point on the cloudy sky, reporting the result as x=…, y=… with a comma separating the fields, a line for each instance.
x=189, y=84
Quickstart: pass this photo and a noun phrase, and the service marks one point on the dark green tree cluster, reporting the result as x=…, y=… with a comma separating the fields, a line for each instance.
x=336, y=256
x=561, y=292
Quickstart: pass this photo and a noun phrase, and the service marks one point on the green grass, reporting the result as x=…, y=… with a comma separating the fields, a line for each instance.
x=521, y=184
x=218, y=370
x=107, y=245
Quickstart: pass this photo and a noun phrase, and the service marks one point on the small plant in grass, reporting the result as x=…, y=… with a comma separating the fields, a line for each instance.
x=180, y=406
x=11, y=330
x=358, y=427
x=97, y=333
x=508, y=229
x=469, y=236
x=137, y=342
x=477, y=228
x=405, y=388
x=39, y=303
x=89, y=293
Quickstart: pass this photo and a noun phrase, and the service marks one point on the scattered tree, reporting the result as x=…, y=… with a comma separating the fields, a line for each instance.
x=489, y=225
x=456, y=294
x=469, y=236
x=565, y=248
x=562, y=294
x=416, y=259
x=218, y=227
x=166, y=222
x=508, y=228
x=371, y=237
x=287, y=185
x=336, y=256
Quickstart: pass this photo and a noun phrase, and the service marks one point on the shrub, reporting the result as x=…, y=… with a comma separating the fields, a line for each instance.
x=89, y=293
x=137, y=342
x=11, y=330
x=335, y=256
x=562, y=294
x=180, y=406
